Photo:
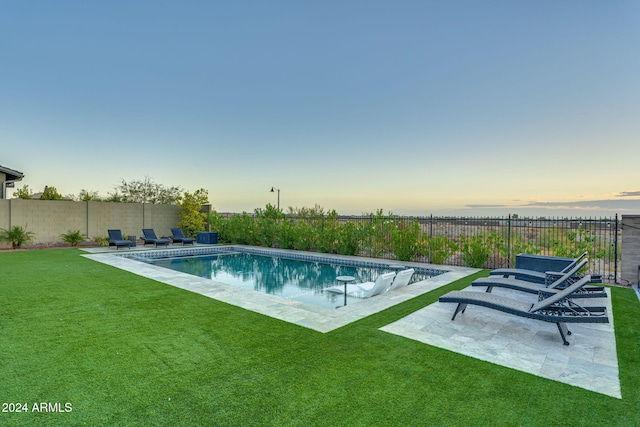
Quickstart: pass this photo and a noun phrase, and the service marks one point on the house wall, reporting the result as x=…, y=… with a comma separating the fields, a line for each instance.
x=49, y=219
x=3, y=178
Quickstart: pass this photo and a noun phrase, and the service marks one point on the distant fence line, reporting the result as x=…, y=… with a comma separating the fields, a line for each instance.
x=500, y=238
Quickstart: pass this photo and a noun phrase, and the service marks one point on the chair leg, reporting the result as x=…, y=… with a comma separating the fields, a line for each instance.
x=459, y=309
x=489, y=289
x=562, y=328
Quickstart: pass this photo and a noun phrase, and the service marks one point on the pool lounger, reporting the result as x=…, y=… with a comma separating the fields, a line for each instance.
x=533, y=275
x=366, y=289
x=565, y=280
x=558, y=308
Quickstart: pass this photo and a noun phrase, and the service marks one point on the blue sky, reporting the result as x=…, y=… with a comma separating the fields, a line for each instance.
x=480, y=107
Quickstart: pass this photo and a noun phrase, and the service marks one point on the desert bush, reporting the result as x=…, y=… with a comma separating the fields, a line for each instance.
x=101, y=240
x=406, y=241
x=440, y=249
x=475, y=250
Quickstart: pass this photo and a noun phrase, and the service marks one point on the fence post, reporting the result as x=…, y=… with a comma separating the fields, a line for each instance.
x=509, y=241
x=430, y=225
x=615, y=254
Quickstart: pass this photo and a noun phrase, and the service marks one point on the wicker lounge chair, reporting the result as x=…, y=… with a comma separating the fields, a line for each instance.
x=366, y=289
x=558, y=308
x=402, y=279
x=533, y=275
x=151, y=238
x=178, y=236
x=116, y=239
x=560, y=283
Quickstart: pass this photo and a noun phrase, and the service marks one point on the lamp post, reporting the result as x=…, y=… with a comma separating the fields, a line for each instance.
x=273, y=190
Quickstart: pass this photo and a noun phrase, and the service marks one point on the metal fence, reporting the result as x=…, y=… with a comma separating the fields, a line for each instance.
x=489, y=242
x=505, y=237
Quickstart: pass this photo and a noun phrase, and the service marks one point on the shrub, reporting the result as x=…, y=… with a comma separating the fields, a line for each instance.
x=101, y=240
x=348, y=239
x=440, y=249
x=406, y=241
x=17, y=235
x=475, y=250
x=191, y=219
x=576, y=243
x=73, y=237
x=327, y=232
x=267, y=224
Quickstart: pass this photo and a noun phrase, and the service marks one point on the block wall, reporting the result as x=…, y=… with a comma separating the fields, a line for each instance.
x=630, y=249
x=49, y=219
x=4, y=213
x=161, y=218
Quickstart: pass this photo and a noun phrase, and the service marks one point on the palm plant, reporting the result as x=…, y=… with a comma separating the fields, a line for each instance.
x=17, y=235
x=73, y=237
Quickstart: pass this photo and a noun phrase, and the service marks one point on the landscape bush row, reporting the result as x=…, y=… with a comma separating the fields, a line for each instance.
x=389, y=236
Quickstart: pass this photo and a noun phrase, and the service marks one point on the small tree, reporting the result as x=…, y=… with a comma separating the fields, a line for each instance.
x=51, y=193
x=88, y=195
x=191, y=219
x=148, y=191
x=24, y=193
x=17, y=235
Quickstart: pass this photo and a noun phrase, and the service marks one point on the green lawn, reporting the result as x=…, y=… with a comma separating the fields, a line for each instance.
x=125, y=350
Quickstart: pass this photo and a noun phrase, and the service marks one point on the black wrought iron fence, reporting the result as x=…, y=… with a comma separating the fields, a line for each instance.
x=495, y=242
x=489, y=242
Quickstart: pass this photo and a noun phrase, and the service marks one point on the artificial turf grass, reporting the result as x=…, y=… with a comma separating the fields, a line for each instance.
x=126, y=350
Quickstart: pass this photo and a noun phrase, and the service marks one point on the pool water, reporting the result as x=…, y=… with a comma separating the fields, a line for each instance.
x=294, y=279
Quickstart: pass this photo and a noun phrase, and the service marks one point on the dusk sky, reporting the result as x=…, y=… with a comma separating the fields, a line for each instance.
x=413, y=107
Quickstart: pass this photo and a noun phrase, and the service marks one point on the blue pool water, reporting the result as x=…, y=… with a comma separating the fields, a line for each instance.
x=295, y=279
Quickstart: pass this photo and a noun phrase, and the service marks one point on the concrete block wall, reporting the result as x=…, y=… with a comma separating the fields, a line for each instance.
x=127, y=217
x=161, y=218
x=630, y=249
x=49, y=219
x=5, y=222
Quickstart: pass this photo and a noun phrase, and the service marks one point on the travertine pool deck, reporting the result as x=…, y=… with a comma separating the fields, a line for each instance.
x=531, y=346
x=528, y=345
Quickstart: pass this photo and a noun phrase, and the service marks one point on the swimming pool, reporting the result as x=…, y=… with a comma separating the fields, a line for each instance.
x=299, y=277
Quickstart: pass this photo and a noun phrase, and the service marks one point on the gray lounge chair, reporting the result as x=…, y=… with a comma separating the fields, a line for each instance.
x=116, y=239
x=151, y=238
x=533, y=275
x=559, y=308
x=178, y=237
x=560, y=283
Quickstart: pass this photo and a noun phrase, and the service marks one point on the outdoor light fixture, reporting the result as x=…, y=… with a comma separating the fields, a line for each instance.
x=273, y=190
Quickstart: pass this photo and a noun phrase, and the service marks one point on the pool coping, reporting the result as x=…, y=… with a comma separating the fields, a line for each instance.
x=306, y=315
